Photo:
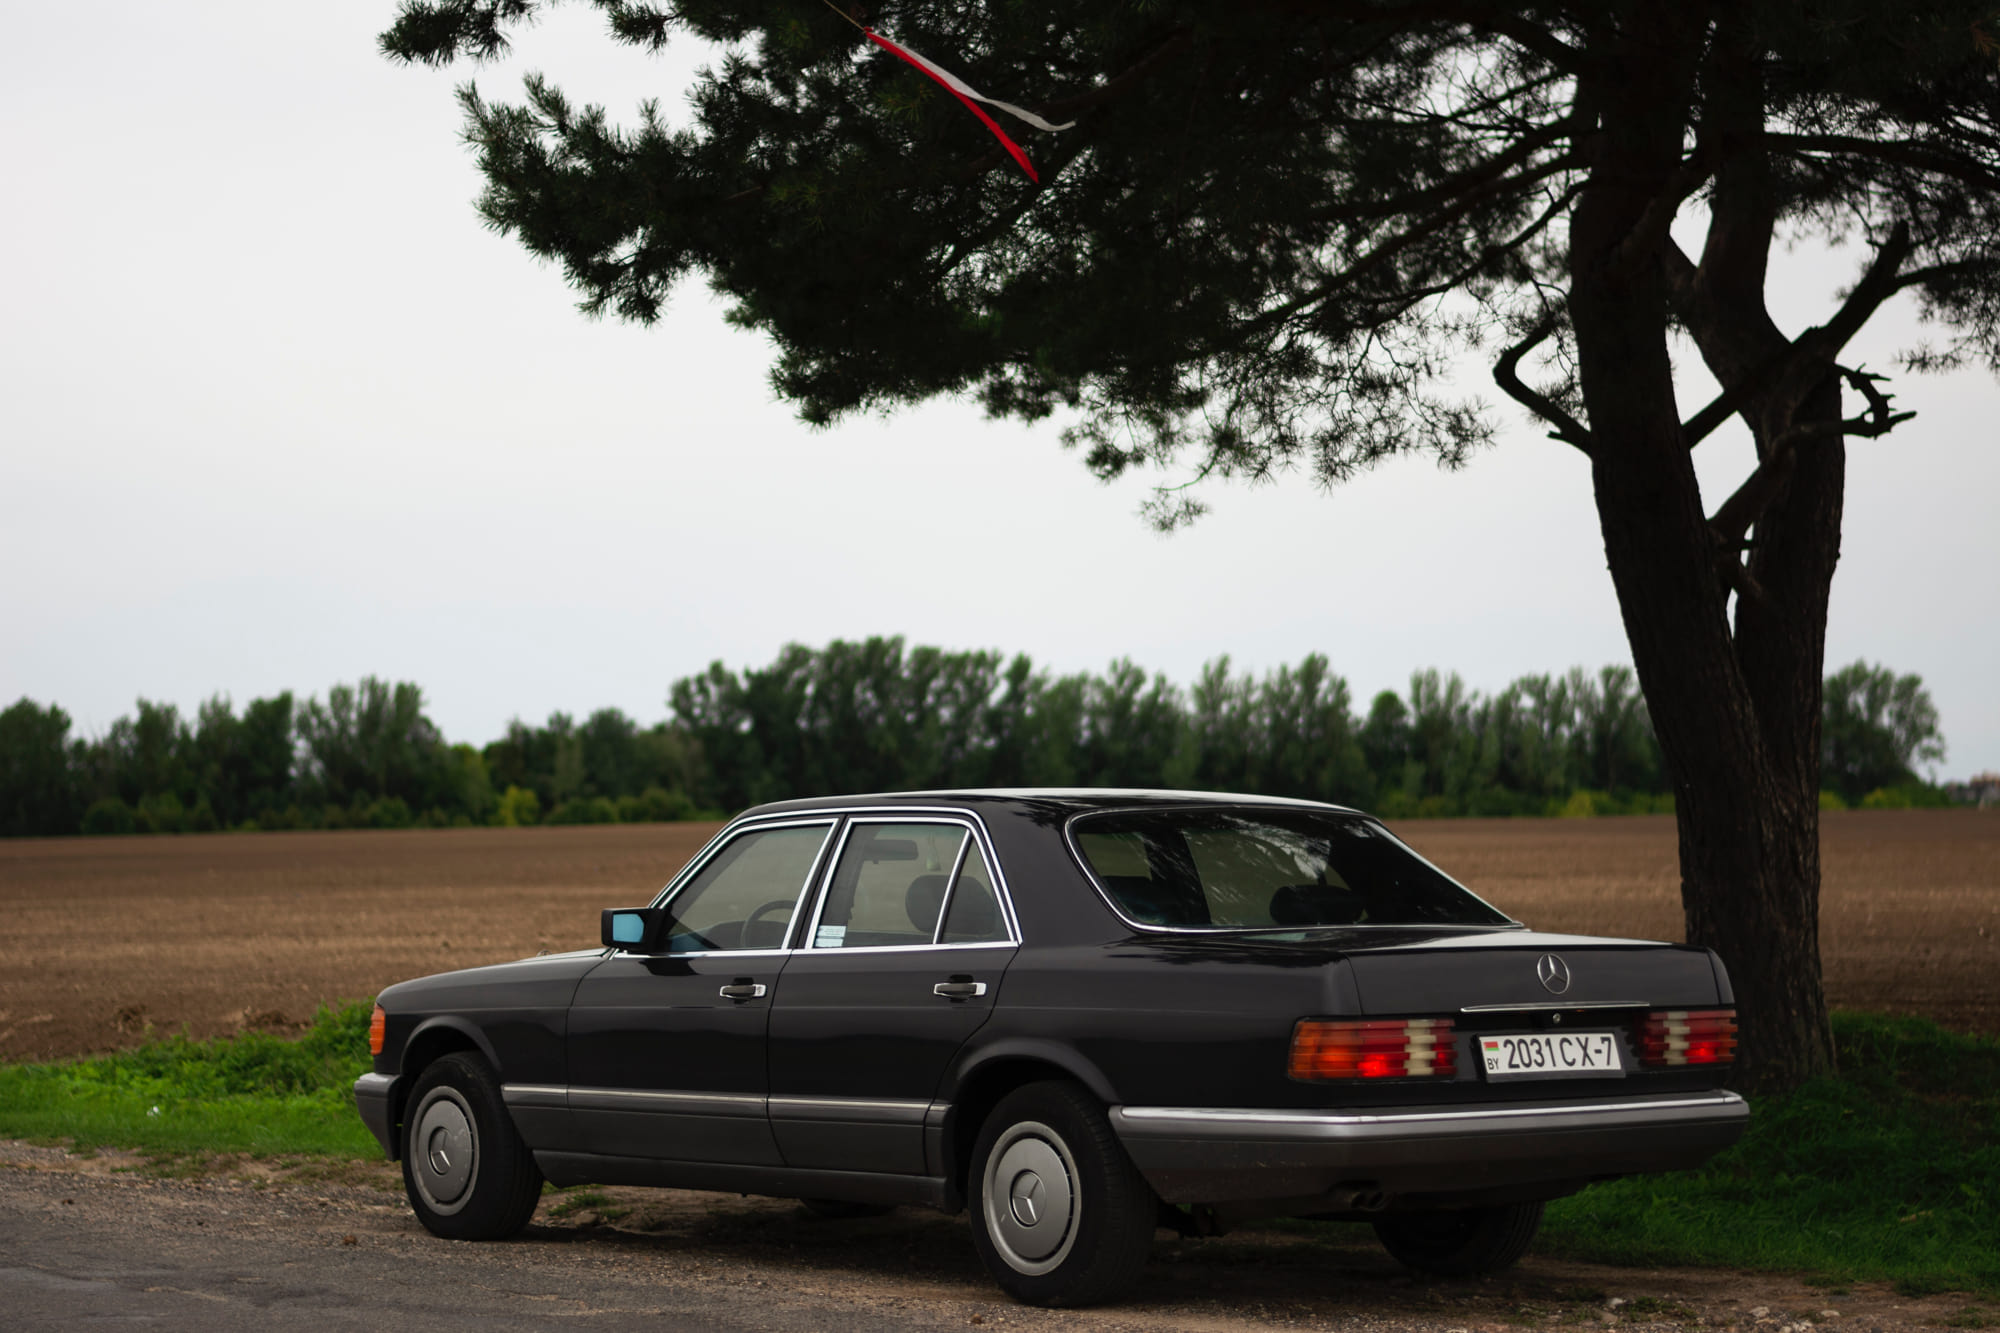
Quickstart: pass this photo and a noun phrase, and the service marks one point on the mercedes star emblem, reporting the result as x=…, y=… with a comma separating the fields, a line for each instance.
x=1553, y=973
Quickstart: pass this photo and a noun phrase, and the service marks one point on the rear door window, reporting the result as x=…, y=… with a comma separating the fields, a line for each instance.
x=889, y=885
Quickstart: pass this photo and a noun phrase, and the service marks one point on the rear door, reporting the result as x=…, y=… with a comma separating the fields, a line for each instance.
x=900, y=963
x=667, y=1051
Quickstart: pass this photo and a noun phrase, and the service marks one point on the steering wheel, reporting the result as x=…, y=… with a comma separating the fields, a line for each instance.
x=775, y=905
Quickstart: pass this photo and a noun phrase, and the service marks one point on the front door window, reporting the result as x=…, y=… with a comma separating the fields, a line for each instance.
x=744, y=897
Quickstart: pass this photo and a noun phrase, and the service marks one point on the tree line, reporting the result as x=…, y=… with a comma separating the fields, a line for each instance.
x=875, y=715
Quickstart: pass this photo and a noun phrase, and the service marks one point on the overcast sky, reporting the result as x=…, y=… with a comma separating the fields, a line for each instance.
x=277, y=412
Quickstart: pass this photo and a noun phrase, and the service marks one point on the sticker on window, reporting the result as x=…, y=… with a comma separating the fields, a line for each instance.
x=830, y=937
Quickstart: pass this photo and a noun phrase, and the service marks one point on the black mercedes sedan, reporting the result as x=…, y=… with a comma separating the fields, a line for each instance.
x=1079, y=1015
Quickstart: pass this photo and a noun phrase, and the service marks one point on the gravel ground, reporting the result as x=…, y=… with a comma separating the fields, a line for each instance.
x=255, y=1245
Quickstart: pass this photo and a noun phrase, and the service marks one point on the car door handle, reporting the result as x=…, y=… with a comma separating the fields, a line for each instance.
x=959, y=990
x=743, y=990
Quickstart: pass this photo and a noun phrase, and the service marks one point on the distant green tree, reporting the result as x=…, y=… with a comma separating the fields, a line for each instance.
x=372, y=740
x=146, y=755
x=1131, y=728
x=517, y=807
x=39, y=794
x=243, y=766
x=1222, y=729
x=1386, y=744
x=1528, y=726
x=108, y=815
x=1878, y=727
x=470, y=784
x=1614, y=737
x=613, y=762
x=1444, y=744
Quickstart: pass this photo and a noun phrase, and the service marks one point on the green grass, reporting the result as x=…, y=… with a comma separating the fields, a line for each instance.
x=252, y=1093
x=1889, y=1171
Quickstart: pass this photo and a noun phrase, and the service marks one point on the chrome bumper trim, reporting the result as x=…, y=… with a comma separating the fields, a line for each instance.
x=1225, y=1118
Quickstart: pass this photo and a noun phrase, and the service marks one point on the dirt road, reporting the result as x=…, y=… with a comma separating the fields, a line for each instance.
x=87, y=1240
x=106, y=939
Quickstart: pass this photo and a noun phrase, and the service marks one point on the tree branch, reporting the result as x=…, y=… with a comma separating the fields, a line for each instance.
x=1793, y=369
x=1178, y=41
x=1654, y=224
x=1506, y=373
x=1500, y=19
x=1879, y=420
x=1877, y=285
x=1485, y=177
x=1742, y=509
x=1901, y=153
x=1731, y=400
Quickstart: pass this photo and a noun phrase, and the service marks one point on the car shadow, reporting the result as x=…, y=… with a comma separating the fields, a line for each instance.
x=1300, y=1269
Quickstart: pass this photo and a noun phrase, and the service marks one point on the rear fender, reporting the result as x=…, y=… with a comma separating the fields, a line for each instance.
x=1040, y=1051
x=978, y=1083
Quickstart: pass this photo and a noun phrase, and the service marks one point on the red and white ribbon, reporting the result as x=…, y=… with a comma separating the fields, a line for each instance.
x=971, y=96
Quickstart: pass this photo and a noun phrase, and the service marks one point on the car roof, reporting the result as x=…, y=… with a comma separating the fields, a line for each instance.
x=1065, y=799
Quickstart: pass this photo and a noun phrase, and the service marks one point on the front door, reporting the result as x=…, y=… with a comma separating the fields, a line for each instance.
x=900, y=964
x=667, y=1050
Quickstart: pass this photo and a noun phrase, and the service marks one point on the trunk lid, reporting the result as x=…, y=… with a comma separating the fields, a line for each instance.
x=1524, y=971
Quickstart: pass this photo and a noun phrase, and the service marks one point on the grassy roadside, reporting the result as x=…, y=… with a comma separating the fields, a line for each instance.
x=1888, y=1172
x=253, y=1093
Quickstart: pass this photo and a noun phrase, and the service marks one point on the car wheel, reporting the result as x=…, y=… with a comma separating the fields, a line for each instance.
x=1461, y=1242
x=1059, y=1213
x=840, y=1210
x=468, y=1175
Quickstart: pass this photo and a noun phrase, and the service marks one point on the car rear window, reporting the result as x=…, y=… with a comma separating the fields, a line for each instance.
x=1222, y=869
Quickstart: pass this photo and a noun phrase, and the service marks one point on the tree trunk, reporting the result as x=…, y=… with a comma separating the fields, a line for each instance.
x=1737, y=714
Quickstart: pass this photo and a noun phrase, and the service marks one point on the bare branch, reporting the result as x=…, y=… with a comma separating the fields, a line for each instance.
x=1506, y=373
x=1879, y=420
x=1742, y=509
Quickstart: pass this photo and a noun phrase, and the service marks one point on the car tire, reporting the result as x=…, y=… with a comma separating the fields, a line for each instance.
x=1059, y=1213
x=841, y=1210
x=1461, y=1242
x=465, y=1169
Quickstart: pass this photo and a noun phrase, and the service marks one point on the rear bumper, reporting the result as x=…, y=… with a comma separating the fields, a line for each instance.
x=1204, y=1155
x=375, y=1098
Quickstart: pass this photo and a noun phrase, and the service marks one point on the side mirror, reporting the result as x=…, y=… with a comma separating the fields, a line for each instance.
x=632, y=929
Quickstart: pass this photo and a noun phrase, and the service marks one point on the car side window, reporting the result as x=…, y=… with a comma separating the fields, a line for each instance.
x=974, y=916
x=744, y=897
x=889, y=885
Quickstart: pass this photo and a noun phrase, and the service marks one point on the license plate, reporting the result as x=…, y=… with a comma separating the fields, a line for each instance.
x=1551, y=1055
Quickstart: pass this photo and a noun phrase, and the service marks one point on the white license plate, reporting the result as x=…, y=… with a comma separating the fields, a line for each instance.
x=1550, y=1055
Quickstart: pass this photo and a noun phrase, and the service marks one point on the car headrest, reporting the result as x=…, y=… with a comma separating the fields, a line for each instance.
x=925, y=897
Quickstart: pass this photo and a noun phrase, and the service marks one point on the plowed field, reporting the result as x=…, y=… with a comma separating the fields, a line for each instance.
x=104, y=939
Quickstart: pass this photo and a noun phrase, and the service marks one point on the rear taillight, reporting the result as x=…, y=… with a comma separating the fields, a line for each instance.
x=1373, y=1048
x=1688, y=1037
x=377, y=1024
